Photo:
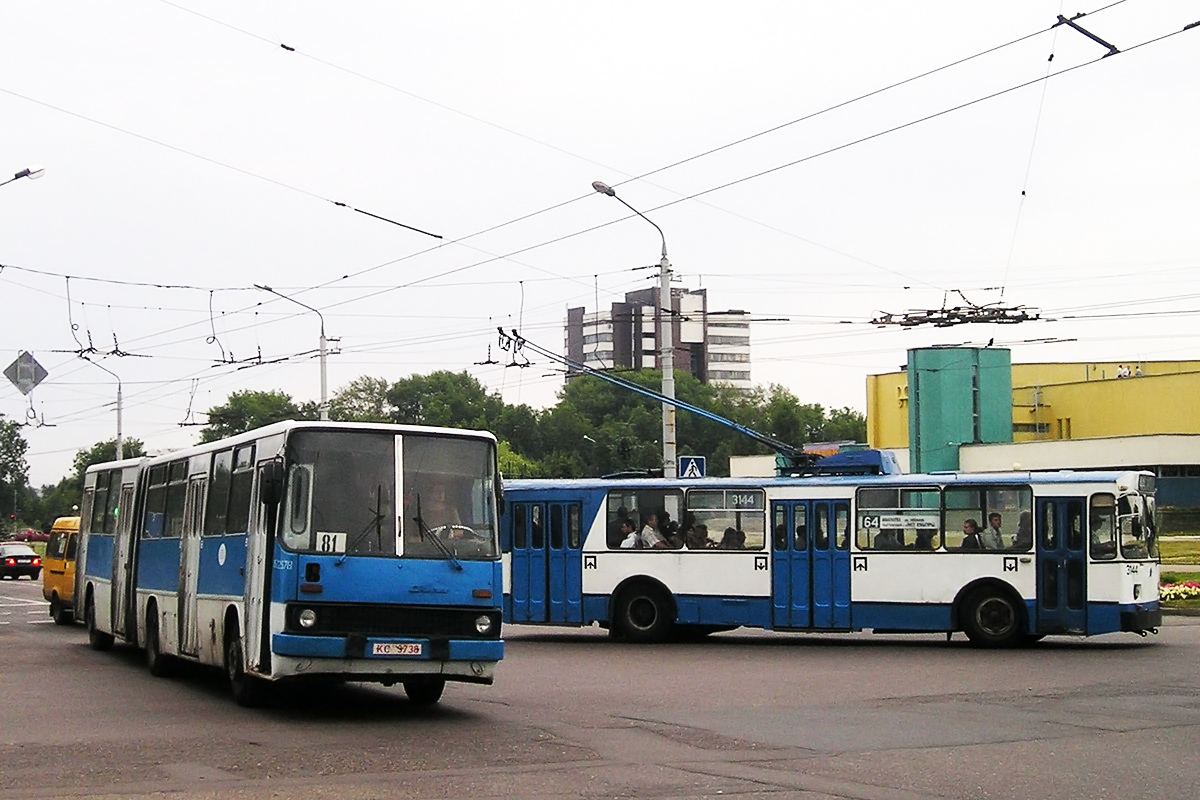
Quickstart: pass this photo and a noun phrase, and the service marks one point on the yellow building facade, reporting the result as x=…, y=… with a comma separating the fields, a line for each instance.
x=1065, y=401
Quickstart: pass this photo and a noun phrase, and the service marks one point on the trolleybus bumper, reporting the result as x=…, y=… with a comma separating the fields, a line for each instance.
x=1139, y=619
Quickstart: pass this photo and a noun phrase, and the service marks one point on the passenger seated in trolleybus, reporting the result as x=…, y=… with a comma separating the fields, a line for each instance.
x=971, y=540
x=733, y=539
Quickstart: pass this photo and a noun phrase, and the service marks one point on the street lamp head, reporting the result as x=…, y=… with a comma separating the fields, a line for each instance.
x=604, y=188
x=33, y=173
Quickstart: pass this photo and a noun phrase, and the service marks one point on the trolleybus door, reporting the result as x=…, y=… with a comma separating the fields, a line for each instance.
x=564, y=577
x=193, y=513
x=811, y=573
x=791, y=570
x=545, y=562
x=1061, y=565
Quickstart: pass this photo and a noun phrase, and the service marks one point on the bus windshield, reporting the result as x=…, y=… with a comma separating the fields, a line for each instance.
x=1135, y=519
x=343, y=487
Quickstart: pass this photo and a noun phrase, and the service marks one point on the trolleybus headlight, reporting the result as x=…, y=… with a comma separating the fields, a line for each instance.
x=307, y=618
x=483, y=624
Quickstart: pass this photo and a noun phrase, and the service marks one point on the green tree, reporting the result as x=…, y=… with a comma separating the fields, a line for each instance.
x=845, y=425
x=14, y=471
x=247, y=410
x=101, y=452
x=364, y=399
x=64, y=498
x=444, y=398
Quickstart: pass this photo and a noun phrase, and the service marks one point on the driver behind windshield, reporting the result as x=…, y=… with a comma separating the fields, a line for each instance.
x=436, y=508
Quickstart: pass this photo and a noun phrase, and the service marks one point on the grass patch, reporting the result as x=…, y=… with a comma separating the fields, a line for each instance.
x=1179, y=552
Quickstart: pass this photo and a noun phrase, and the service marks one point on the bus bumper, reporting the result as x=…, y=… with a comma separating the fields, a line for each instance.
x=1138, y=619
x=386, y=649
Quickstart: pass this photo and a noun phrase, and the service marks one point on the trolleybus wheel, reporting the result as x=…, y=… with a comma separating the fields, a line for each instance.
x=644, y=614
x=991, y=618
x=248, y=691
x=97, y=639
x=424, y=691
x=158, y=664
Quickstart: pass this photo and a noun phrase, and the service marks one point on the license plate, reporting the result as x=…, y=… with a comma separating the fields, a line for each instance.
x=395, y=649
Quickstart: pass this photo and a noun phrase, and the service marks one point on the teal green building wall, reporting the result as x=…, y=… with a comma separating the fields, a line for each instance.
x=956, y=396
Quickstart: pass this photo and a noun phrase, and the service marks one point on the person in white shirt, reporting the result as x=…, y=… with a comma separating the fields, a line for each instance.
x=991, y=538
x=651, y=538
x=629, y=536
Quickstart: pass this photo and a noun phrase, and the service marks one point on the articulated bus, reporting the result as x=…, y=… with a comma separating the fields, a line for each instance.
x=1067, y=553
x=301, y=550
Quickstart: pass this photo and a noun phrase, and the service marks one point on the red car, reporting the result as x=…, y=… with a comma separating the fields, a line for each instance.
x=19, y=559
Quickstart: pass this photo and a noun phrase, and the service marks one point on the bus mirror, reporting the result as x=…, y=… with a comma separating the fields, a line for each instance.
x=500, y=493
x=270, y=482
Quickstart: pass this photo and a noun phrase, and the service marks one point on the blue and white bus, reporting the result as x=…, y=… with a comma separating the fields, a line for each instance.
x=315, y=550
x=1066, y=553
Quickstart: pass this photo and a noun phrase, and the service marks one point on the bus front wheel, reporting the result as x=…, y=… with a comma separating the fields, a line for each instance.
x=248, y=691
x=644, y=614
x=424, y=691
x=97, y=639
x=991, y=618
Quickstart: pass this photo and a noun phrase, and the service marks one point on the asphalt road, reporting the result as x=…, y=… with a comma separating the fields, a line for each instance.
x=745, y=715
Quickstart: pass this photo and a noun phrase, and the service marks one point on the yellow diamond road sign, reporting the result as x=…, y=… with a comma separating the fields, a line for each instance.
x=25, y=373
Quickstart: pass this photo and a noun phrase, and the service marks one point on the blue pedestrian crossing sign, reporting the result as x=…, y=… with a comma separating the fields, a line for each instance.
x=691, y=466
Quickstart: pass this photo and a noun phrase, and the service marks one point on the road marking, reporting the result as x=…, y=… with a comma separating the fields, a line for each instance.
x=19, y=601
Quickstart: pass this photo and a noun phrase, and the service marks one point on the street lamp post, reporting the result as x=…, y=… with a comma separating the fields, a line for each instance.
x=120, y=437
x=323, y=408
x=33, y=173
x=666, y=337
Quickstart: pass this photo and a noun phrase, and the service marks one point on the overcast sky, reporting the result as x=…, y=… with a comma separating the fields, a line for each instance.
x=194, y=149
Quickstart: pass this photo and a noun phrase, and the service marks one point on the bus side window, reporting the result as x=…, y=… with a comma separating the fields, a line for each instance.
x=841, y=513
x=820, y=529
x=518, y=526
x=536, y=539
x=779, y=526
x=1049, y=532
x=556, y=527
x=574, y=526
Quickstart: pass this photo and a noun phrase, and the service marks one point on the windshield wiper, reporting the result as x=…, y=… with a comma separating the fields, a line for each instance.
x=426, y=533
x=375, y=523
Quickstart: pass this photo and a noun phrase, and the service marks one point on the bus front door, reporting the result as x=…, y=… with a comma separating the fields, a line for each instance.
x=1061, y=566
x=546, y=578
x=811, y=570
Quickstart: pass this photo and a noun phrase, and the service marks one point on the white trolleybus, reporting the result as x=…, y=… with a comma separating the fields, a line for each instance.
x=1006, y=558
x=316, y=550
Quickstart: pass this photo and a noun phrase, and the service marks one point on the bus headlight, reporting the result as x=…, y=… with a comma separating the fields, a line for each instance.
x=483, y=624
x=307, y=618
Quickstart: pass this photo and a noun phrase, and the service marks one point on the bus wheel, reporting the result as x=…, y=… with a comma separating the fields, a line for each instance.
x=158, y=664
x=248, y=691
x=992, y=619
x=424, y=691
x=643, y=614
x=60, y=613
x=97, y=639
